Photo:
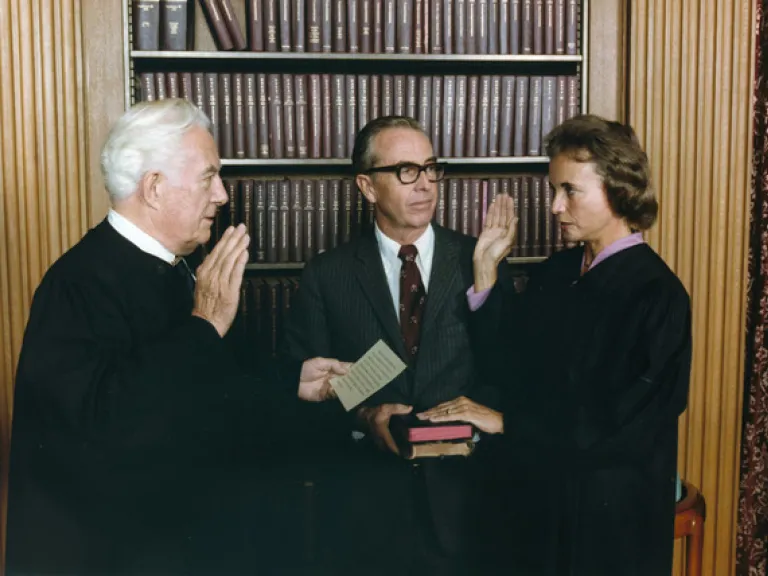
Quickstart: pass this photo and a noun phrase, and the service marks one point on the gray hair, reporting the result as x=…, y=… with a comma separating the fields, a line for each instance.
x=146, y=138
x=363, y=154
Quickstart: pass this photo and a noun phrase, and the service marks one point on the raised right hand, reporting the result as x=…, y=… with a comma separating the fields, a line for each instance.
x=495, y=241
x=219, y=277
x=376, y=420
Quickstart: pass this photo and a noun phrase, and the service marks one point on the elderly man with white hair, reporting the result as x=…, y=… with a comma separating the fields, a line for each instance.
x=129, y=418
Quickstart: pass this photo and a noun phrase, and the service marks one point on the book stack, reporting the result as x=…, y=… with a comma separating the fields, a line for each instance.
x=422, y=439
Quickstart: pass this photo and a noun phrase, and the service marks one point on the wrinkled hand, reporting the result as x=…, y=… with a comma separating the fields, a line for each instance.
x=465, y=410
x=219, y=277
x=376, y=421
x=315, y=378
x=495, y=241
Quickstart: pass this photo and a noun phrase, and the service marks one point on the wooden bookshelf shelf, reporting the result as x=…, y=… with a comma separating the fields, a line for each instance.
x=284, y=162
x=278, y=266
x=337, y=56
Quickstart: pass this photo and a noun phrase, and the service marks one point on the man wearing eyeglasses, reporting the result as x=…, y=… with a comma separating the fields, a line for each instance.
x=403, y=282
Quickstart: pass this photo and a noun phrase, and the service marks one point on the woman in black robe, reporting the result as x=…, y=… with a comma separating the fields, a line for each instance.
x=593, y=360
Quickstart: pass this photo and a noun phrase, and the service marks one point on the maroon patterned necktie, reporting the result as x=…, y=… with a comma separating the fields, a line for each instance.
x=413, y=297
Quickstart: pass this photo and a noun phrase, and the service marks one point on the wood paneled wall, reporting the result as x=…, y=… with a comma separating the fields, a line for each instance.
x=59, y=90
x=691, y=81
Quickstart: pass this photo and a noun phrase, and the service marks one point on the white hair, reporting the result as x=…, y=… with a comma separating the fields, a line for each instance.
x=146, y=138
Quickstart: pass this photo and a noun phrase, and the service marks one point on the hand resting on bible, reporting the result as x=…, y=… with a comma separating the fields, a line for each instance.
x=462, y=409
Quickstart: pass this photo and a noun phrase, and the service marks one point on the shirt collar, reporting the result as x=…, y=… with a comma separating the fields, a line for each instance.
x=615, y=247
x=390, y=249
x=139, y=238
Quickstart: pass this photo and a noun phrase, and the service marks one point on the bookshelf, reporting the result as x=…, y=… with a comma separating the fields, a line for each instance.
x=505, y=158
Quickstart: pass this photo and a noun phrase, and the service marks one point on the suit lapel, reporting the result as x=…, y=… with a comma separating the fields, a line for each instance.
x=370, y=273
x=445, y=267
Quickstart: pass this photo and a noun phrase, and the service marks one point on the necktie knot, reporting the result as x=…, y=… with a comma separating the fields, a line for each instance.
x=408, y=253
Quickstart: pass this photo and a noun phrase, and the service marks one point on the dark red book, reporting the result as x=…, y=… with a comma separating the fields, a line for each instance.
x=410, y=429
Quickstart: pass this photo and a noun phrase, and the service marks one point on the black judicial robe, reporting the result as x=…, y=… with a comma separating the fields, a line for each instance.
x=595, y=372
x=128, y=422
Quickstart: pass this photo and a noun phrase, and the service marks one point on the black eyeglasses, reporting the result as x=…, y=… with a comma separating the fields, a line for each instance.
x=409, y=172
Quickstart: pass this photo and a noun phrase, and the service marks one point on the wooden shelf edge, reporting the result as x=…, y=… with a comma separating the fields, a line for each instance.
x=287, y=266
x=468, y=58
x=496, y=160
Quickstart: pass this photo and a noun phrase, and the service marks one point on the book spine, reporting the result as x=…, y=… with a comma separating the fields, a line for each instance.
x=255, y=26
x=147, y=92
x=297, y=26
x=399, y=97
x=521, y=116
x=493, y=27
x=284, y=225
x=315, y=116
x=538, y=26
x=161, y=87
x=321, y=216
x=353, y=28
x=527, y=27
x=465, y=220
x=175, y=19
x=472, y=105
x=297, y=222
x=378, y=26
x=363, y=100
x=273, y=221
x=275, y=116
x=260, y=221
x=482, y=27
x=573, y=96
x=302, y=120
x=561, y=100
x=459, y=26
x=387, y=95
x=494, y=113
x=507, y=121
x=536, y=217
x=515, y=189
x=239, y=124
x=418, y=26
x=475, y=205
x=534, y=117
x=390, y=24
x=559, y=24
x=503, y=26
x=348, y=206
x=411, y=96
x=571, y=26
x=262, y=116
x=326, y=29
x=515, y=26
x=309, y=248
x=334, y=212
x=339, y=118
x=404, y=26
x=449, y=84
x=483, y=112
x=233, y=25
x=366, y=25
x=454, y=204
x=460, y=118
x=524, y=219
x=470, y=20
x=217, y=25
x=549, y=27
x=314, y=24
x=212, y=105
x=226, y=148
x=187, y=90
x=440, y=211
x=547, y=105
x=448, y=21
x=246, y=212
x=328, y=108
x=289, y=116
x=198, y=92
x=436, y=21
x=339, y=26
x=272, y=25
x=437, y=106
x=251, y=117
x=375, y=98
x=547, y=218
x=424, y=115
x=351, y=108
x=172, y=84
x=146, y=24
x=285, y=25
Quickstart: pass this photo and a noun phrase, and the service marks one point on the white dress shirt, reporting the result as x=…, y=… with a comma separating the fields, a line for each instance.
x=139, y=238
x=389, y=249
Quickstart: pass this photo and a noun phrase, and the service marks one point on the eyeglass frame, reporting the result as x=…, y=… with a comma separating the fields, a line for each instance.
x=396, y=169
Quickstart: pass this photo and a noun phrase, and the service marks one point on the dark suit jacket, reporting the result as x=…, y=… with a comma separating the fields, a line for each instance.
x=342, y=308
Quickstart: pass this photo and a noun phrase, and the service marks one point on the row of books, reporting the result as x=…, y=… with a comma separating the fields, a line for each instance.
x=319, y=115
x=366, y=26
x=264, y=306
x=292, y=220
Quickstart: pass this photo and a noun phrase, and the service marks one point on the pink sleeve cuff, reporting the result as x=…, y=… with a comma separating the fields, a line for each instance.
x=476, y=299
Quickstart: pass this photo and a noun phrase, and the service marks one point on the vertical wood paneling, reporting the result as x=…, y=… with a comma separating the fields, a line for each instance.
x=44, y=203
x=691, y=78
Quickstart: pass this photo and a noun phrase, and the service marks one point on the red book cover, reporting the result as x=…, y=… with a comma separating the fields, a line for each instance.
x=410, y=429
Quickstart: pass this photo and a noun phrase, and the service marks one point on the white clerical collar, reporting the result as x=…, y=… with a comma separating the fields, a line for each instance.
x=139, y=238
